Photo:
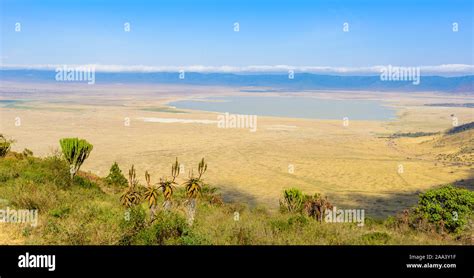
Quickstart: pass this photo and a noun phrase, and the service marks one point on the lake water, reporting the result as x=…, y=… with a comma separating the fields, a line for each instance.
x=292, y=107
x=7, y=102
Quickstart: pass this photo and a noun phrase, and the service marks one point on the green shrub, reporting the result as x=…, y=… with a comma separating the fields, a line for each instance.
x=448, y=207
x=31, y=196
x=9, y=173
x=292, y=200
x=5, y=145
x=84, y=182
x=298, y=221
x=279, y=225
x=167, y=227
x=115, y=176
x=292, y=223
x=131, y=224
x=55, y=169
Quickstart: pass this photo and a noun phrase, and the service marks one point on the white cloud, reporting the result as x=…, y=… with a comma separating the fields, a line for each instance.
x=447, y=69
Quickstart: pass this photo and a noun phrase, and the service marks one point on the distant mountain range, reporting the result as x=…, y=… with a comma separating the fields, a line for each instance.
x=274, y=82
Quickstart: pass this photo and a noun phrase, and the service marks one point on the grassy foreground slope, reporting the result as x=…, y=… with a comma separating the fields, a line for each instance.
x=87, y=210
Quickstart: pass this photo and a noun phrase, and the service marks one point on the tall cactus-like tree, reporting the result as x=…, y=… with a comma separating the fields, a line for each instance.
x=75, y=151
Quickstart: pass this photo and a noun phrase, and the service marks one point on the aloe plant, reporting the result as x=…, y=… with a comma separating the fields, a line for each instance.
x=167, y=185
x=193, y=187
x=194, y=184
x=151, y=194
x=132, y=195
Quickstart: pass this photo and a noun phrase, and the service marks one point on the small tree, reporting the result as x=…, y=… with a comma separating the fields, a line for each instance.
x=448, y=207
x=76, y=152
x=115, y=176
x=5, y=145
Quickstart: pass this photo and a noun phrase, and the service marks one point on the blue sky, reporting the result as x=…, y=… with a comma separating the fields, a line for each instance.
x=177, y=33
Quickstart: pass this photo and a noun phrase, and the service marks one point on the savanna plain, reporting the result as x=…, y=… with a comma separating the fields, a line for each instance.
x=381, y=167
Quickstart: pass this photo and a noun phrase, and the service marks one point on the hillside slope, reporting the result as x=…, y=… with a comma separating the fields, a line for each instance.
x=88, y=211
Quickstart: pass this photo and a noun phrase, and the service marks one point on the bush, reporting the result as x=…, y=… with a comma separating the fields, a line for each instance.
x=55, y=170
x=115, y=176
x=168, y=227
x=292, y=200
x=8, y=171
x=279, y=225
x=292, y=223
x=448, y=207
x=30, y=196
x=315, y=206
x=132, y=223
x=298, y=221
x=5, y=145
x=84, y=182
